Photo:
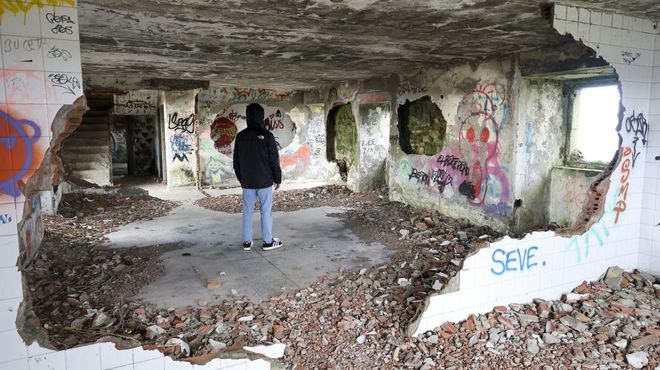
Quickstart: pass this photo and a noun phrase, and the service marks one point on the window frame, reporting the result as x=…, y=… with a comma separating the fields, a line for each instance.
x=570, y=90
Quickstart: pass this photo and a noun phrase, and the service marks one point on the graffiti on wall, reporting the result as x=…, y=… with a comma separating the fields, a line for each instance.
x=209, y=98
x=60, y=23
x=5, y=219
x=224, y=130
x=472, y=168
x=31, y=232
x=181, y=144
x=637, y=125
x=520, y=260
x=629, y=57
x=184, y=124
x=18, y=143
x=574, y=192
x=481, y=114
x=625, y=176
x=299, y=159
x=135, y=103
x=16, y=7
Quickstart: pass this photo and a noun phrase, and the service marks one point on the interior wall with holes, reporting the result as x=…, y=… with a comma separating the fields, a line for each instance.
x=545, y=264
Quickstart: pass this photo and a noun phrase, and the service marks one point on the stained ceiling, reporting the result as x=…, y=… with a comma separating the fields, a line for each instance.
x=300, y=44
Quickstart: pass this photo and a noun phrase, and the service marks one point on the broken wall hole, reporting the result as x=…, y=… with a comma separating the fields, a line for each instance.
x=86, y=153
x=342, y=140
x=422, y=127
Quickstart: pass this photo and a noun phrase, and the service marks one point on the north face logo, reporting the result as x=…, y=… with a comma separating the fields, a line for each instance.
x=260, y=137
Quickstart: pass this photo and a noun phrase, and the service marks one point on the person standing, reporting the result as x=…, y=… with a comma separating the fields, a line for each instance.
x=257, y=168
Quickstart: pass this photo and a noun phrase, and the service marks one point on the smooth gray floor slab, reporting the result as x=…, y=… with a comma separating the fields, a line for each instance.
x=315, y=244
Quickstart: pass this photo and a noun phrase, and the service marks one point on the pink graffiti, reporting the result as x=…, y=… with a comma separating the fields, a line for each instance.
x=481, y=113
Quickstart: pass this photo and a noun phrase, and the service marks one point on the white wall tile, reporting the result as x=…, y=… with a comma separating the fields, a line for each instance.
x=606, y=20
x=22, y=53
x=21, y=24
x=617, y=21
x=8, y=219
x=59, y=23
x=176, y=365
x=572, y=14
x=584, y=16
x=10, y=283
x=13, y=347
x=560, y=11
x=63, y=87
x=61, y=55
x=111, y=357
x=24, y=87
x=21, y=364
x=84, y=358
x=8, y=311
x=153, y=364
x=51, y=361
x=648, y=26
x=139, y=355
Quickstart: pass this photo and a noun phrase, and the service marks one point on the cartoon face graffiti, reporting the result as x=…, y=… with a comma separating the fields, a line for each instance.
x=481, y=113
x=17, y=139
x=223, y=133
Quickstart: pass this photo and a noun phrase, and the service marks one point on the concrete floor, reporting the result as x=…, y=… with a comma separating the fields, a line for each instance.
x=315, y=244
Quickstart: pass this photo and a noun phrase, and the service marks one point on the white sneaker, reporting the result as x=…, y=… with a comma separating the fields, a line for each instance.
x=276, y=243
x=247, y=245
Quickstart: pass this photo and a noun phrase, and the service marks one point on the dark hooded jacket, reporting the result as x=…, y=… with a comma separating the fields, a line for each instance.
x=256, y=160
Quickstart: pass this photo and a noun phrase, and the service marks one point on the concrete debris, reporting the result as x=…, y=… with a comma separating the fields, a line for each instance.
x=212, y=284
x=614, y=277
x=327, y=324
x=183, y=347
x=532, y=346
x=154, y=331
x=637, y=359
x=271, y=351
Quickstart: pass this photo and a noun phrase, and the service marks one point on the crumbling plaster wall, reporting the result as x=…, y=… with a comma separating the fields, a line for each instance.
x=472, y=175
x=540, y=138
x=568, y=192
x=180, y=138
x=298, y=129
x=545, y=264
x=371, y=105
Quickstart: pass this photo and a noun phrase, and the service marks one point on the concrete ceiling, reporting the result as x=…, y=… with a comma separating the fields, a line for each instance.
x=300, y=44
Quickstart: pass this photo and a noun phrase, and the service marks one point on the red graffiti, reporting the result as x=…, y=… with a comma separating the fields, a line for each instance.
x=485, y=134
x=223, y=132
x=623, y=192
x=470, y=135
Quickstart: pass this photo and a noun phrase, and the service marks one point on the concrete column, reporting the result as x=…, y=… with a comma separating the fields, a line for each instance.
x=181, y=138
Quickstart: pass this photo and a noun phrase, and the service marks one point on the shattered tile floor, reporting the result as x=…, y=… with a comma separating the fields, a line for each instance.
x=83, y=291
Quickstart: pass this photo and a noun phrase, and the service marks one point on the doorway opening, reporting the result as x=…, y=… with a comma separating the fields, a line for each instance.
x=342, y=138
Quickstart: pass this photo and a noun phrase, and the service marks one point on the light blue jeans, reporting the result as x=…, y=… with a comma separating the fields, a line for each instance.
x=266, y=207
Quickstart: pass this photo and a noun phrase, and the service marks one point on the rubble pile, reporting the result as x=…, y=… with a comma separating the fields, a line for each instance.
x=74, y=275
x=359, y=319
x=611, y=323
x=293, y=200
x=87, y=218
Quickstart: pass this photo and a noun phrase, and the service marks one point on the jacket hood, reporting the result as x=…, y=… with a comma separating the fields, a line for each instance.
x=254, y=115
